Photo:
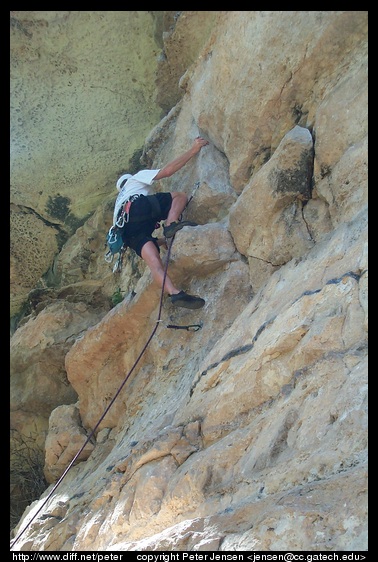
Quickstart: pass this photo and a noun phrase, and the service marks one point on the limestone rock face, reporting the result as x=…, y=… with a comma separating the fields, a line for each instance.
x=38, y=377
x=86, y=89
x=184, y=33
x=33, y=246
x=65, y=440
x=267, y=220
x=248, y=433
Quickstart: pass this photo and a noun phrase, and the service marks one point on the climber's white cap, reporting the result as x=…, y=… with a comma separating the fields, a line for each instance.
x=122, y=180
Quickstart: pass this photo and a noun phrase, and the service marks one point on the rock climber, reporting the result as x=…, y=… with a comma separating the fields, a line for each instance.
x=139, y=211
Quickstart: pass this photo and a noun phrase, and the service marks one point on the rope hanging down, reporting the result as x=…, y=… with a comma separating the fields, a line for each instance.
x=13, y=542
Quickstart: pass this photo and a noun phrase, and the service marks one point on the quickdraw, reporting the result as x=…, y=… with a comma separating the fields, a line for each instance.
x=123, y=216
x=114, y=241
x=189, y=327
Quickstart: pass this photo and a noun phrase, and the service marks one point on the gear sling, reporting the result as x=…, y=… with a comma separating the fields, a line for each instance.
x=114, y=242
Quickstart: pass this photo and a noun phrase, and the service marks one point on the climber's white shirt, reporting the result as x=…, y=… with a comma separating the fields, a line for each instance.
x=139, y=184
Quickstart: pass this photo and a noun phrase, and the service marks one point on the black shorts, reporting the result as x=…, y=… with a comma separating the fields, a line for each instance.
x=145, y=213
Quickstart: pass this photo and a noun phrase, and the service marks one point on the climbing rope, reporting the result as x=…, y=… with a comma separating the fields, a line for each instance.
x=193, y=327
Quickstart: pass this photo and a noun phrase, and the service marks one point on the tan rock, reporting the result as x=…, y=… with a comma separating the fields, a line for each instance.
x=249, y=434
x=66, y=439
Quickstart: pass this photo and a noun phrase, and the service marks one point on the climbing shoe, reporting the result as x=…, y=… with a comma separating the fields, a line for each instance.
x=186, y=301
x=174, y=227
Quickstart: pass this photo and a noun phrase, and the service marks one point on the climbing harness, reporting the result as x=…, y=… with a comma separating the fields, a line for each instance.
x=191, y=327
x=114, y=241
x=123, y=215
